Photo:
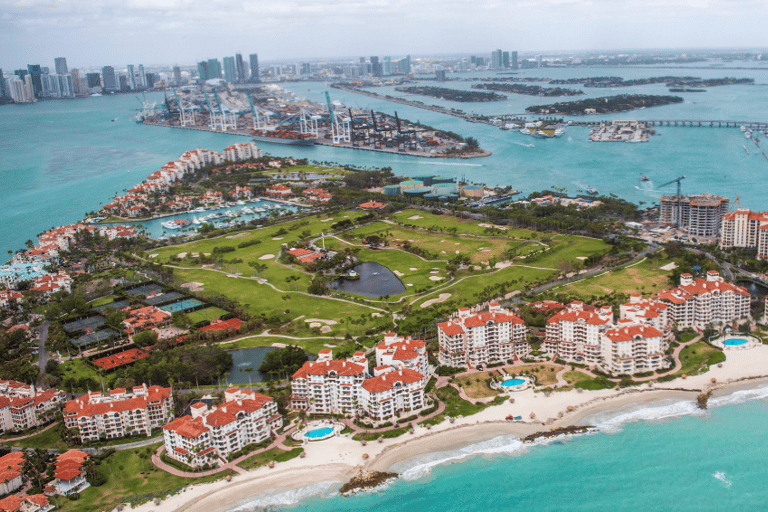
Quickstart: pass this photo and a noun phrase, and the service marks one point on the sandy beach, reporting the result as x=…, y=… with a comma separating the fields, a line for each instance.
x=338, y=459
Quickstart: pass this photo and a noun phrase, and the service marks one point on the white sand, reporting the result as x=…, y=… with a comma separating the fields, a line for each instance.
x=457, y=251
x=193, y=287
x=325, y=220
x=237, y=235
x=337, y=459
x=327, y=322
x=434, y=271
x=436, y=278
x=669, y=266
x=441, y=298
x=195, y=254
x=412, y=269
x=182, y=255
x=315, y=324
x=325, y=329
x=154, y=255
x=398, y=273
x=409, y=284
x=582, y=258
x=415, y=217
x=279, y=345
x=267, y=257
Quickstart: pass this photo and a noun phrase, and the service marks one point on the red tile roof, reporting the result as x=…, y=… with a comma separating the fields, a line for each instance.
x=342, y=368
x=386, y=381
x=223, y=325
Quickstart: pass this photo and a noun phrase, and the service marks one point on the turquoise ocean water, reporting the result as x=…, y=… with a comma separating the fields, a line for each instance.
x=666, y=456
x=61, y=159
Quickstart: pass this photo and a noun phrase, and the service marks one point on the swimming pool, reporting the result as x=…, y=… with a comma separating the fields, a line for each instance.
x=734, y=341
x=512, y=382
x=319, y=433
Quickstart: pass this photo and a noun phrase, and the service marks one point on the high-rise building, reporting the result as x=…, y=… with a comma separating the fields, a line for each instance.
x=109, y=80
x=93, y=79
x=214, y=68
x=505, y=60
x=122, y=81
x=375, y=66
x=202, y=70
x=387, y=67
x=177, y=75
x=3, y=88
x=61, y=65
x=36, y=72
x=131, y=78
x=362, y=60
x=404, y=65
x=254, y=60
x=440, y=75
x=142, y=76
x=496, y=57
x=513, y=60
x=151, y=79
x=306, y=68
x=75, y=74
x=538, y=61
x=230, y=70
x=242, y=72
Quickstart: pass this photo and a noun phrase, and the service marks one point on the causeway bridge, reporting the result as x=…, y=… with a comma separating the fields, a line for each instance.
x=752, y=125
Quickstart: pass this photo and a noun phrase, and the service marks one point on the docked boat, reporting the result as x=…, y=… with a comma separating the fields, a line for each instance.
x=196, y=221
x=748, y=134
x=743, y=128
x=745, y=149
x=559, y=131
x=246, y=210
x=175, y=224
x=277, y=139
x=592, y=191
x=539, y=134
x=643, y=177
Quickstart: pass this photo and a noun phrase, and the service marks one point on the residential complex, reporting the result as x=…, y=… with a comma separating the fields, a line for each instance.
x=477, y=339
x=69, y=474
x=119, y=412
x=393, y=392
x=398, y=353
x=209, y=435
x=24, y=406
x=701, y=215
x=746, y=229
x=701, y=303
x=576, y=332
x=327, y=386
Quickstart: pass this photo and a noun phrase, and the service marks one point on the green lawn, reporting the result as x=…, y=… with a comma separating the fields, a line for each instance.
x=312, y=345
x=206, y=314
x=567, y=247
x=697, y=358
x=646, y=278
x=109, y=299
x=51, y=438
x=275, y=454
x=130, y=478
x=77, y=369
x=467, y=226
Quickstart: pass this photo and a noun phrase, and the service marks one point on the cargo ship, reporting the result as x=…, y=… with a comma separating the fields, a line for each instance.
x=283, y=137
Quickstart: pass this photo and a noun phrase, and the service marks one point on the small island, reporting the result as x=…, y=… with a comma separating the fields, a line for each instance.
x=529, y=90
x=670, y=81
x=605, y=105
x=453, y=94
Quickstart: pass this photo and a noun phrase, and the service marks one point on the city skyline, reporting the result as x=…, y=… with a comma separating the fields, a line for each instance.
x=175, y=31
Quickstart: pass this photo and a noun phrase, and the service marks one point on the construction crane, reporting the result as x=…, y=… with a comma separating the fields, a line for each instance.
x=736, y=204
x=679, y=200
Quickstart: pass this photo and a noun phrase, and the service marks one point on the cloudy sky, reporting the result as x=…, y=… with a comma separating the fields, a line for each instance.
x=100, y=32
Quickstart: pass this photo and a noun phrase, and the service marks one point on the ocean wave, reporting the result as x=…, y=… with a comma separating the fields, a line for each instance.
x=614, y=421
x=739, y=397
x=421, y=466
x=277, y=500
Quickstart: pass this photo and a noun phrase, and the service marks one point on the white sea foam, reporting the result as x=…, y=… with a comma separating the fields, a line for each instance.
x=721, y=476
x=615, y=421
x=280, y=499
x=418, y=467
x=739, y=397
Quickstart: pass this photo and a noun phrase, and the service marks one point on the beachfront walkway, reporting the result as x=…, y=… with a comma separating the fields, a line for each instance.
x=277, y=443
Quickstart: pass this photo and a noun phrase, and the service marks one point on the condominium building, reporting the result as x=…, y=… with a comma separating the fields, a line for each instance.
x=575, y=333
x=476, y=339
x=648, y=311
x=397, y=353
x=69, y=477
x=209, y=435
x=396, y=391
x=699, y=303
x=10, y=472
x=632, y=348
x=24, y=406
x=700, y=214
x=119, y=412
x=241, y=151
x=747, y=229
x=327, y=386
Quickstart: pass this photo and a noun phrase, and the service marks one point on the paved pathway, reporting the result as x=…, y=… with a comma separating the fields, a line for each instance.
x=6, y=439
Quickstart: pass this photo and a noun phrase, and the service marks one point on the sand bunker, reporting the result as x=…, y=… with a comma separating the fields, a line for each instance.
x=267, y=257
x=415, y=217
x=409, y=284
x=195, y=254
x=669, y=266
x=325, y=220
x=153, y=255
x=325, y=329
x=398, y=273
x=436, y=278
x=328, y=322
x=376, y=315
x=237, y=235
x=442, y=298
x=279, y=345
x=182, y=255
x=277, y=238
x=315, y=324
x=434, y=271
x=413, y=269
x=582, y=258
x=457, y=251
x=193, y=287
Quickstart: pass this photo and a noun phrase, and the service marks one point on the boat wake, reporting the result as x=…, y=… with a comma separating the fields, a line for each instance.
x=524, y=145
x=282, y=499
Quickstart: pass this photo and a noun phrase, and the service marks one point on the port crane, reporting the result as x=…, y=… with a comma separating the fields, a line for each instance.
x=309, y=123
x=227, y=118
x=339, y=125
x=261, y=118
x=186, y=112
x=679, y=200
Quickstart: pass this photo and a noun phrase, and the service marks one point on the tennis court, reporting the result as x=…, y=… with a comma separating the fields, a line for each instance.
x=94, y=338
x=184, y=305
x=91, y=322
x=145, y=290
x=120, y=304
x=164, y=298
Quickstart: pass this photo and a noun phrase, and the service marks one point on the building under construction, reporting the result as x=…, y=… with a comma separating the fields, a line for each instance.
x=700, y=215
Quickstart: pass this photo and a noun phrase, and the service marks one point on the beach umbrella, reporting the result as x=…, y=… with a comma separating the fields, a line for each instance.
x=365, y=455
x=533, y=415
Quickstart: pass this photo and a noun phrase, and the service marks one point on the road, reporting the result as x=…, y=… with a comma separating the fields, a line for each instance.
x=42, y=358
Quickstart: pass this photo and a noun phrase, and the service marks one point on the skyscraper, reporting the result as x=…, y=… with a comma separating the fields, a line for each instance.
x=242, y=75
x=404, y=65
x=35, y=72
x=230, y=70
x=61, y=66
x=505, y=60
x=202, y=70
x=108, y=78
x=306, y=68
x=496, y=57
x=142, y=76
x=3, y=91
x=375, y=66
x=254, y=58
x=538, y=61
x=214, y=68
x=93, y=79
x=122, y=81
x=131, y=78
x=75, y=74
x=513, y=59
x=177, y=75
x=387, y=67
